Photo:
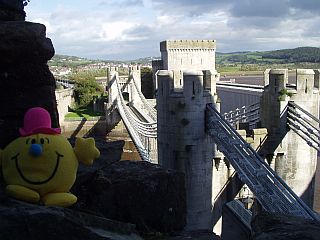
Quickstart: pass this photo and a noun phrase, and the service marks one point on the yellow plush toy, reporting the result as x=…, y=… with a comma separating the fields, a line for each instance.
x=41, y=165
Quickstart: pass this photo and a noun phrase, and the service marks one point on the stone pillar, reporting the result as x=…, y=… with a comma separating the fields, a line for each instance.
x=135, y=73
x=112, y=116
x=183, y=144
x=210, y=80
x=305, y=80
x=25, y=79
x=266, y=77
x=156, y=65
x=112, y=74
x=295, y=160
x=271, y=105
x=317, y=78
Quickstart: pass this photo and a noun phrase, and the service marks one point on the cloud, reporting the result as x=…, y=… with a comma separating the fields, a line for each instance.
x=190, y=7
x=260, y=8
x=126, y=29
x=121, y=3
x=307, y=5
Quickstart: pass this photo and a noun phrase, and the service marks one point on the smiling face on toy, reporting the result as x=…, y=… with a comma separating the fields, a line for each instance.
x=41, y=162
x=41, y=165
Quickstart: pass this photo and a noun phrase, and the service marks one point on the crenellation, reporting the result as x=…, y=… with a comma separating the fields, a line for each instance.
x=266, y=77
x=278, y=79
x=188, y=55
x=193, y=84
x=305, y=81
x=317, y=78
x=188, y=44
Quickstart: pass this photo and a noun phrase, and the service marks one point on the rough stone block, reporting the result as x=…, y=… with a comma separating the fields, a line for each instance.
x=24, y=42
x=274, y=226
x=139, y=192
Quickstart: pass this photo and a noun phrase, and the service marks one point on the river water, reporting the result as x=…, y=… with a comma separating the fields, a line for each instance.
x=252, y=79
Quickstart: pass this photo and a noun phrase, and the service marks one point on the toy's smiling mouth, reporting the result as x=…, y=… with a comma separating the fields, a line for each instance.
x=37, y=182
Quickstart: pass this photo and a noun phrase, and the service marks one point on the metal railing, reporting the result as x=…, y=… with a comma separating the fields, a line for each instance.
x=246, y=114
x=270, y=190
x=139, y=131
x=151, y=111
x=241, y=212
x=304, y=124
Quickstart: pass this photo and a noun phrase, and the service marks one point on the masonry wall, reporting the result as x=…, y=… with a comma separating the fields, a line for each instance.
x=233, y=96
x=291, y=157
x=64, y=100
x=188, y=54
x=84, y=128
x=182, y=142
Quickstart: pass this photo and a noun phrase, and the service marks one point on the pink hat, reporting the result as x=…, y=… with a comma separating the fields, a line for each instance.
x=37, y=120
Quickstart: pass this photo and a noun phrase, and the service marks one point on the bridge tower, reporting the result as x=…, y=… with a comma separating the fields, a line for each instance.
x=183, y=144
x=291, y=157
x=112, y=116
x=134, y=73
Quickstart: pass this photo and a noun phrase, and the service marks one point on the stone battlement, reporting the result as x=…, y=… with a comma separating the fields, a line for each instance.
x=134, y=68
x=307, y=80
x=188, y=44
x=192, y=84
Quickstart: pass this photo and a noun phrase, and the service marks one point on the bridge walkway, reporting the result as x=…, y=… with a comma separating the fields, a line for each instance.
x=270, y=190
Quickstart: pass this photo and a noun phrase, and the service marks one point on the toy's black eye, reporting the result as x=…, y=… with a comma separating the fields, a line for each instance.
x=27, y=141
x=41, y=140
x=33, y=141
x=47, y=140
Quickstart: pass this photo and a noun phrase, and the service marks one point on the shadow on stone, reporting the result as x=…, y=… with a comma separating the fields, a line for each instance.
x=137, y=192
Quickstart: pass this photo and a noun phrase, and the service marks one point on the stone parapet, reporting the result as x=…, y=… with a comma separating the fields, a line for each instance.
x=187, y=44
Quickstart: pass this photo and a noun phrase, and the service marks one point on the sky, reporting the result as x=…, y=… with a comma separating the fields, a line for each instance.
x=132, y=29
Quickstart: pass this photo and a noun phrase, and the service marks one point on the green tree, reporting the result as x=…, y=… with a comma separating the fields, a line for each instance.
x=147, y=82
x=85, y=91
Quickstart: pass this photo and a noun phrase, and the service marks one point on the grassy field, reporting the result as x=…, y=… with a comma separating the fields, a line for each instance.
x=82, y=113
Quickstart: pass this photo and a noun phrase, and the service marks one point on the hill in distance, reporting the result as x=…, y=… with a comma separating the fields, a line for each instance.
x=284, y=56
x=73, y=61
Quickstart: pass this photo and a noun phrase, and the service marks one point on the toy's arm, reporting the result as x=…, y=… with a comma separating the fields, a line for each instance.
x=86, y=151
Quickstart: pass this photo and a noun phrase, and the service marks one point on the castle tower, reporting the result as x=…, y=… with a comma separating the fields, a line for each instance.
x=290, y=156
x=183, y=144
x=185, y=55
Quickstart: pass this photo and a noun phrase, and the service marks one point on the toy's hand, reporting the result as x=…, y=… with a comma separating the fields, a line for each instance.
x=86, y=151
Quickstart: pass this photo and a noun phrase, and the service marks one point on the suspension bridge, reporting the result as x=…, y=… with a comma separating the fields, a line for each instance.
x=270, y=190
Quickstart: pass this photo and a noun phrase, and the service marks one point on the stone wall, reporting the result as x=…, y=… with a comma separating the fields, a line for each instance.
x=81, y=128
x=182, y=142
x=188, y=54
x=234, y=96
x=290, y=156
x=64, y=100
x=25, y=79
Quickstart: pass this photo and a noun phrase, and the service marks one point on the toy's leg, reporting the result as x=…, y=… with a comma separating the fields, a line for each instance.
x=59, y=199
x=23, y=193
